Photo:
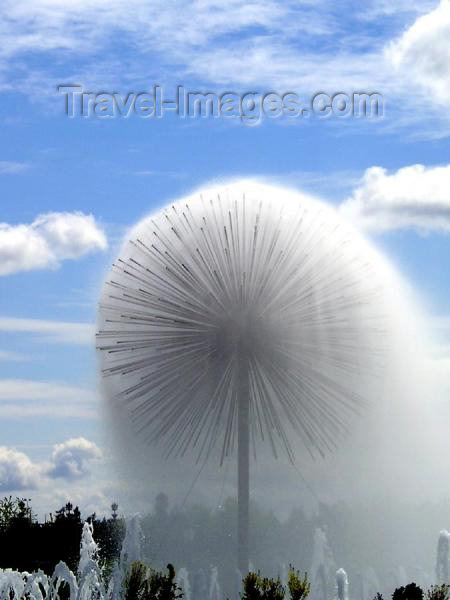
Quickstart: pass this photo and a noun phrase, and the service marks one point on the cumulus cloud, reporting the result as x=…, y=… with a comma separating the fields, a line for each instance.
x=50, y=239
x=422, y=53
x=72, y=459
x=413, y=197
x=17, y=472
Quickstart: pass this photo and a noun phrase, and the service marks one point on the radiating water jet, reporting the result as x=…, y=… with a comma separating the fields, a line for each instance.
x=242, y=315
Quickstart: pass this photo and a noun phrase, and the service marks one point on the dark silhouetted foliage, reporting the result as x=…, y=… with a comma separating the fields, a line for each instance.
x=28, y=545
x=408, y=592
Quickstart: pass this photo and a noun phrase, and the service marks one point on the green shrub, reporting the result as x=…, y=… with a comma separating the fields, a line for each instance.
x=438, y=592
x=299, y=588
x=257, y=587
x=143, y=583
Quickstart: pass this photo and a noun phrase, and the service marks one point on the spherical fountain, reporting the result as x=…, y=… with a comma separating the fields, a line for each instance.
x=239, y=316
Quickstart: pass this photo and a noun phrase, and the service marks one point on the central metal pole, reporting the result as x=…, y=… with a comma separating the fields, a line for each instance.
x=243, y=401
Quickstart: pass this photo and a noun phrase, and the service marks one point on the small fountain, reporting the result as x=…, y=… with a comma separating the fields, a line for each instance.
x=12, y=584
x=322, y=568
x=421, y=577
x=37, y=586
x=395, y=578
x=63, y=575
x=215, y=592
x=283, y=574
x=89, y=573
x=132, y=543
x=442, y=557
x=239, y=587
x=183, y=582
x=370, y=584
x=131, y=552
x=200, y=585
x=341, y=585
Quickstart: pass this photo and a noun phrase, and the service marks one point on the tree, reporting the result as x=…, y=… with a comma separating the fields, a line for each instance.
x=408, y=592
x=12, y=510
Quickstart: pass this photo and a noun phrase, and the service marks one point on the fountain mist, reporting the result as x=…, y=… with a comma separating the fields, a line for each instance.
x=394, y=375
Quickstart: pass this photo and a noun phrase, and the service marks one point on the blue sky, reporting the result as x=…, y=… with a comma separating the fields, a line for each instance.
x=70, y=188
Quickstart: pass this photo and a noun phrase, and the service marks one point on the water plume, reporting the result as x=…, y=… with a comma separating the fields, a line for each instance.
x=249, y=278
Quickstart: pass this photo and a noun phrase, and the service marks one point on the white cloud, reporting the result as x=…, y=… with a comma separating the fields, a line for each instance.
x=412, y=197
x=23, y=398
x=37, y=24
x=389, y=8
x=289, y=45
x=291, y=34
x=72, y=459
x=8, y=167
x=52, y=331
x=17, y=472
x=50, y=239
x=422, y=53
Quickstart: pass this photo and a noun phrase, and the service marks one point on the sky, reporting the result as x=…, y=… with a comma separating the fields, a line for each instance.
x=70, y=188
